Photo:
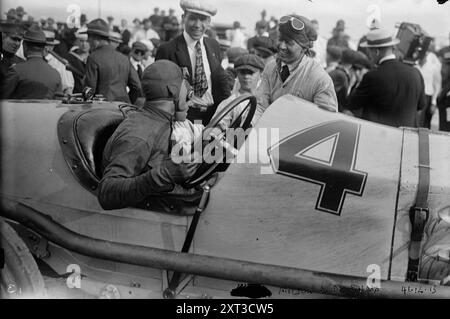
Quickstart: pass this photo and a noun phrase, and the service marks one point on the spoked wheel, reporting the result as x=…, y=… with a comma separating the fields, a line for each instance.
x=243, y=121
x=20, y=276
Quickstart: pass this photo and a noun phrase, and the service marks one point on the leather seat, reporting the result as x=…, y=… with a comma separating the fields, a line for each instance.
x=83, y=136
x=93, y=129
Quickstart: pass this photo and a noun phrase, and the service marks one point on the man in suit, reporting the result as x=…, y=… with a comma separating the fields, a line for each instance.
x=34, y=78
x=393, y=92
x=109, y=72
x=202, y=57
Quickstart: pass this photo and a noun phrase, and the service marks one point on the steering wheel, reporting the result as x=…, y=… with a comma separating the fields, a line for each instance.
x=207, y=168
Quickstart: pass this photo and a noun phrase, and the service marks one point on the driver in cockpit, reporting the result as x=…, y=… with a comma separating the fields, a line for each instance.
x=136, y=159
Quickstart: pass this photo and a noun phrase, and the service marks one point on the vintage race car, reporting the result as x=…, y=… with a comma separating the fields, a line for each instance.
x=316, y=203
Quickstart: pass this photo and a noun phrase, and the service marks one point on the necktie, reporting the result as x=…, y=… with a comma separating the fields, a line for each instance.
x=284, y=73
x=200, y=81
x=139, y=71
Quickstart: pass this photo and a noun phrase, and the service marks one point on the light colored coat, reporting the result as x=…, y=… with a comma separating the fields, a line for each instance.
x=308, y=81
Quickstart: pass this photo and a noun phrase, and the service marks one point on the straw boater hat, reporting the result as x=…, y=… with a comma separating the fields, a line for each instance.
x=115, y=37
x=202, y=7
x=50, y=38
x=379, y=38
x=81, y=33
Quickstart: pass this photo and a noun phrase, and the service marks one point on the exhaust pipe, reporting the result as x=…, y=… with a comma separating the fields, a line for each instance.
x=214, y=267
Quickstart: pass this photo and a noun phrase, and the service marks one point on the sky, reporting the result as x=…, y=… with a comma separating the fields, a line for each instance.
x=434, y=18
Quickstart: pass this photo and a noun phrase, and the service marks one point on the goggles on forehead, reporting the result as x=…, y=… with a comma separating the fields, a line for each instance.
x=296, y=23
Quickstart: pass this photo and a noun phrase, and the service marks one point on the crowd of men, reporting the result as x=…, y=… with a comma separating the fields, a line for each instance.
x=112, y=58
x=332, y=73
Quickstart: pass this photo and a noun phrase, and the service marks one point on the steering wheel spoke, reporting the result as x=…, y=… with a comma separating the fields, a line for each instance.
x=242, y=121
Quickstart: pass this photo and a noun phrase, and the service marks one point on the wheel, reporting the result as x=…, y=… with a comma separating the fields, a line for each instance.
x=207, y=169
x=20, y=276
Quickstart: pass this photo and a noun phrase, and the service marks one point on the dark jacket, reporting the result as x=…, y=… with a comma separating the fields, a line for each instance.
x=108, y=72
x=132, y=160
x=341, y=82
x=32, y=79
x=177, y=52
x=79, y=76
x=8, y=60
x=391, y=94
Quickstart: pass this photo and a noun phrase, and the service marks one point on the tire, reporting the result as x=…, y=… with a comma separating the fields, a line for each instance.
x=20, y=276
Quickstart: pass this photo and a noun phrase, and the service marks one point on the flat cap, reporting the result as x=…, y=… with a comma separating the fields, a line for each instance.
x=334, y=51
x=139, y=46
x=362, y=60
x=349, y=56
x=162, y=80
x=234, y=53
x=202, y=7
x=249, y=62
x=265, y=44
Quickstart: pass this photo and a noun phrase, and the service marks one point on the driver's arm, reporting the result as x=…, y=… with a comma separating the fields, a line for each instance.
x=125, y=181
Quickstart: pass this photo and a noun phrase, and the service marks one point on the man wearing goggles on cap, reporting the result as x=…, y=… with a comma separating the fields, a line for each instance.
x=294, y=71
x=136, y=160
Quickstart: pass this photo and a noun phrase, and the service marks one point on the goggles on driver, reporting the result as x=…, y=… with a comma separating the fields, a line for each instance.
x=296, y=23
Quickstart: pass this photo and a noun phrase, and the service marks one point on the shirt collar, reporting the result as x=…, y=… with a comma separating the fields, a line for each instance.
x=48, y=57
x=387, y=58
x=134, y=62
x=189, y=41
x=293, y=66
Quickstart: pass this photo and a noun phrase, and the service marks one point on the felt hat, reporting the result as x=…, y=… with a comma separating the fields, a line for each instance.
x=35, y=35
x=98, y=27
